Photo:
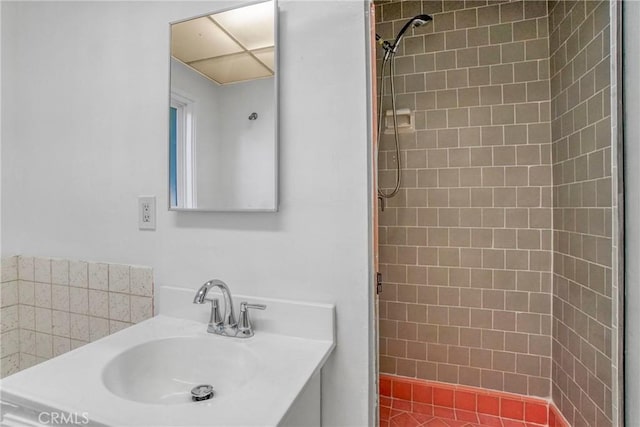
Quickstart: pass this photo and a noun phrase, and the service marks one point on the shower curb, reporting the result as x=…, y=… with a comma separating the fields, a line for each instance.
x=464, y=403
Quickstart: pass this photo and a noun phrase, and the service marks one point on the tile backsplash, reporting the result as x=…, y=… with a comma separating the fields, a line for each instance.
x=50, y=306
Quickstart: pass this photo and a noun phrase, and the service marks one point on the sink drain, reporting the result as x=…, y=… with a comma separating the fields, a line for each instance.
x=202, y=392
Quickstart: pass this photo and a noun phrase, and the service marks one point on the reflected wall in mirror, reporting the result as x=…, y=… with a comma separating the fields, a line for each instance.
x=223, y=111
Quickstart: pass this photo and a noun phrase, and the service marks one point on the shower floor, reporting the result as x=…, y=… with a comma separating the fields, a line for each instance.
x=408, y=402
x=396, y=418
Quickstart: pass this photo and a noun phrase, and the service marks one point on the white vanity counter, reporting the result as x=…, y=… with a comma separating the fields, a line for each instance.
x=257, y=380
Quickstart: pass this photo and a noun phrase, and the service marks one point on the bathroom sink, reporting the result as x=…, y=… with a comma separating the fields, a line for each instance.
x=164, y=371
x=143, y=375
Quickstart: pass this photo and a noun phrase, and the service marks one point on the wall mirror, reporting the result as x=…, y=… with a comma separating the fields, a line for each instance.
x=223, y=111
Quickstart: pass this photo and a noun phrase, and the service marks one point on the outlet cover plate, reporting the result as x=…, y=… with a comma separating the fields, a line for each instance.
x=147, y=212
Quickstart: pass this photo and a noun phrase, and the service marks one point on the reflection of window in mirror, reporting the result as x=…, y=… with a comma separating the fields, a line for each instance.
x=173, y=137
x=182, y=151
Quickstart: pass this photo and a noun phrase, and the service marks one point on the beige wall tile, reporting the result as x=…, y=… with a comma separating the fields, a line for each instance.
x=60, y=272
x=78, y=274
x=42, y=270
x=79, y=327
x=98, y=276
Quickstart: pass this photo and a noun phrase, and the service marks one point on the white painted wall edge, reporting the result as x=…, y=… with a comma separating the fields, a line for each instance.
x=372, y=205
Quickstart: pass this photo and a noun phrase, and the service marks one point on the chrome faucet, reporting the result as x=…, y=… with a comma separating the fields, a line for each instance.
x=226, y=325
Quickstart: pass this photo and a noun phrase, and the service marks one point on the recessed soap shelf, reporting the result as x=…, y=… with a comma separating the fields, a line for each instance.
x=405, y=119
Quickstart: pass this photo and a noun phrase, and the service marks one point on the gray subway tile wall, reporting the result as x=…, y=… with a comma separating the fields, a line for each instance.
x=505, y=208
x=583, y=207
x=466, y=246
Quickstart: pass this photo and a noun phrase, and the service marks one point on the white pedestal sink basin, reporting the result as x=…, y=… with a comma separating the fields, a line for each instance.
x=143, y=375
x=163, y=372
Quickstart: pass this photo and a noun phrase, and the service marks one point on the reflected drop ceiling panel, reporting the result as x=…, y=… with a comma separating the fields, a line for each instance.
x=227, y=47
x=199, y=39
x=251, y=25
x=267, y=56
x=232, y=68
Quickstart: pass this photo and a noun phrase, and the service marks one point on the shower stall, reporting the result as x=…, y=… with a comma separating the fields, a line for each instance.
x=499, y=238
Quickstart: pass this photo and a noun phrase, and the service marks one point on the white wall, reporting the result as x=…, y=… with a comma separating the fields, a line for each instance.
x=248, y=146
x=84, y=113
x=631, y=70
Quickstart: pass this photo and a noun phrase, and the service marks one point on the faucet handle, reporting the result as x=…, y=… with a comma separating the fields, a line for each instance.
x=244, y=305
x=245, y=330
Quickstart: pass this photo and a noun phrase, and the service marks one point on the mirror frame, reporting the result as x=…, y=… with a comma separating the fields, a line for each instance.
x=276, y=111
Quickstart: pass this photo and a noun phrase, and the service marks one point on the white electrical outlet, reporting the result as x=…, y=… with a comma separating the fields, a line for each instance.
x=146, y=212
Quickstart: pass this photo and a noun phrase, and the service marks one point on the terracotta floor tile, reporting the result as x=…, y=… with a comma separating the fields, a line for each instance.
x=395, y=412
x=385, y=387
x=384, y=413
x=512, y=423
x=396, y=418
x=404, y=420
x=401, y=405
x=422, y=418
x=465, y=400
x=455, y=423
x=467, y=416
x=444, y=412
x=401, y=390
x=436, y=422
x=443, y=397
x=489, y=420
x=535, y=413
x=422, y=408
x=511, y=408
x=422, y=393
x=488, y=404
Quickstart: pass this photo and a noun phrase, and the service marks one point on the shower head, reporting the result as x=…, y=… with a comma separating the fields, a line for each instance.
x=414, y=22
x=389, y=48
x=419, y=20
